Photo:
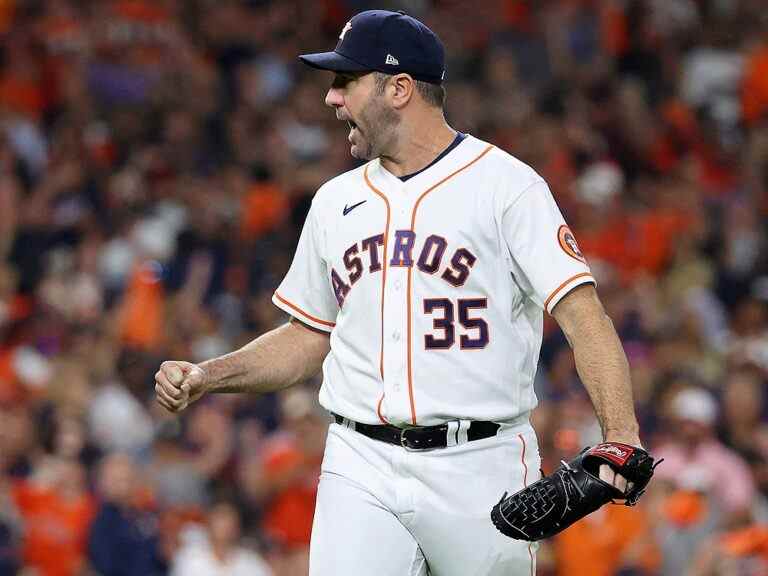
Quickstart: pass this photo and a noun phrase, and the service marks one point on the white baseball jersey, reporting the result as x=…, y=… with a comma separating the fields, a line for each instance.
x=432, y=289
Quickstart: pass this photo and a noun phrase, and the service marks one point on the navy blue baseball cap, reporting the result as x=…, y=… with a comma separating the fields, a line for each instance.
x=389, y=42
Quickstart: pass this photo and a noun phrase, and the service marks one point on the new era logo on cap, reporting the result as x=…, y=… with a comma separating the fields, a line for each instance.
x=391, y=60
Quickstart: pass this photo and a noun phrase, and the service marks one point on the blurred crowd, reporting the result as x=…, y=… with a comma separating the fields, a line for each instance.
x=157, y=158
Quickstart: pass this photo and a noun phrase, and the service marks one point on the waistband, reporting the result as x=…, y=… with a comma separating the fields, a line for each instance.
x=452, y=433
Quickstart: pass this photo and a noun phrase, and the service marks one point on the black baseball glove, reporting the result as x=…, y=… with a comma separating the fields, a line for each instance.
x=572, y=491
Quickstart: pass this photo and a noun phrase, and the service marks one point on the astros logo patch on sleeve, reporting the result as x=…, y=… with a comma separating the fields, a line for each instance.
x=568, y=243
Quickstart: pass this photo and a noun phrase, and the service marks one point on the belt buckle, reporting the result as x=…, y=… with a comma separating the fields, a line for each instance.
x=404, y=442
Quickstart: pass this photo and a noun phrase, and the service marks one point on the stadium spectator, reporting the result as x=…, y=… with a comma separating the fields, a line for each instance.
x=123, y=539
x=287, y=485
x=217, y=550
x=692, y=500
x=56, y=510
x=694, y=452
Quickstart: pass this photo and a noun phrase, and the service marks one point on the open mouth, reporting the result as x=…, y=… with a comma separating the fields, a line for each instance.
x=351, y=125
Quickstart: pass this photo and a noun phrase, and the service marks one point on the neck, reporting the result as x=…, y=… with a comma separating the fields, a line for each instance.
x=418, y=144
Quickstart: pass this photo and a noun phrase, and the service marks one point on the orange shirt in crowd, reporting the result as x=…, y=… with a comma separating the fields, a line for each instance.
x=683, y=140
x=754, y=88
x=264, y=208
x=143, y=308
x=614, y=29
x=11, y=390
x=748, y=543
x=55, y=529
x=289, y=514
x=636, y=245
x=7, y=13
x=598, y=544
x=22, y=93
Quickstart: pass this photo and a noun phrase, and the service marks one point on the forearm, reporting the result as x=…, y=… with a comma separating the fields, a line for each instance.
x=600, y=362
x=278, y=359
x=604, y=370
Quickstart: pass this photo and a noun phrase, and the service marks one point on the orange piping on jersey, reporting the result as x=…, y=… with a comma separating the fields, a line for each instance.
x=300, y=311
x=522, y=459
x=378, y=410
x=383, y=273
x=525, y=485
x=410, y=270
x=563, y=285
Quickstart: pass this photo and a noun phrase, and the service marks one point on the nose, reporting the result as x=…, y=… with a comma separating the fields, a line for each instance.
x=334, y=98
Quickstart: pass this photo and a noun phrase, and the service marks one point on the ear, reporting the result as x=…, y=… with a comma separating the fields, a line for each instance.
x=402, y=87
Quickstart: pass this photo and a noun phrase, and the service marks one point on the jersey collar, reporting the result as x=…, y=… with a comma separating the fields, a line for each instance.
x=464, y=152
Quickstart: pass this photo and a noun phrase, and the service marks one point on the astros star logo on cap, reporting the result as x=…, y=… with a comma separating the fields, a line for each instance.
x=346, y=29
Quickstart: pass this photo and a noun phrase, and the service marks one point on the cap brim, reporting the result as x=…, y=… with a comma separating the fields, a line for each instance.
x=332, y=61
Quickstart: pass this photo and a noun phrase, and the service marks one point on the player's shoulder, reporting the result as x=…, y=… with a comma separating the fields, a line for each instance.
x=512, y=172
x=333, y=195
x=345, y=182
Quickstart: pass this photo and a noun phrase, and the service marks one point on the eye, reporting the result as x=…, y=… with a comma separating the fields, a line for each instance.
x=341, y=80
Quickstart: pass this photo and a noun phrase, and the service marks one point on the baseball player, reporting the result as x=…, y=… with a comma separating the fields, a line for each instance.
x=419, y=285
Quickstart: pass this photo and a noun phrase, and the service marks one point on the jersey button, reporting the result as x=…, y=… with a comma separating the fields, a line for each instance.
x=398, y=284
x=396, y=335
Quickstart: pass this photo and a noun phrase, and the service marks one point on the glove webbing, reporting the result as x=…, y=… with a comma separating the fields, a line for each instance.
x=538, y=501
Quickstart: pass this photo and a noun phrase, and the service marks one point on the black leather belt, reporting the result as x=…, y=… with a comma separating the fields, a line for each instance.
x=421, y=437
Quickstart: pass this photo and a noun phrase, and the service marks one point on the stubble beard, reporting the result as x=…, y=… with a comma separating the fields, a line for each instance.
x=380, y=124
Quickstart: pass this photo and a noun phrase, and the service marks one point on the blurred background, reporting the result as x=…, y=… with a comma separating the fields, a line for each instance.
x=157, y=159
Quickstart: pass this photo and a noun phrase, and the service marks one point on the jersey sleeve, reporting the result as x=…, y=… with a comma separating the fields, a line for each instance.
x=305, y=293
x=544, y=256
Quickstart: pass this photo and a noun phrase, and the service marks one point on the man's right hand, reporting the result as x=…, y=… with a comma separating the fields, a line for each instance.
x=178, y=384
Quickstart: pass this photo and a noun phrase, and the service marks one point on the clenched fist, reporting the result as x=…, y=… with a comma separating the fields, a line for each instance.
x=178, y=383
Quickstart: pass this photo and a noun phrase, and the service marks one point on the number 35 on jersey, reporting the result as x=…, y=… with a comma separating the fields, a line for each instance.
x=428, y=260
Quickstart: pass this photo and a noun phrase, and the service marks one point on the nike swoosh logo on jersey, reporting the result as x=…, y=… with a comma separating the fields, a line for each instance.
x=348, y=209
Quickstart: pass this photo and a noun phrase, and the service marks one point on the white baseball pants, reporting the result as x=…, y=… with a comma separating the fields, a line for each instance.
x=385, y=511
